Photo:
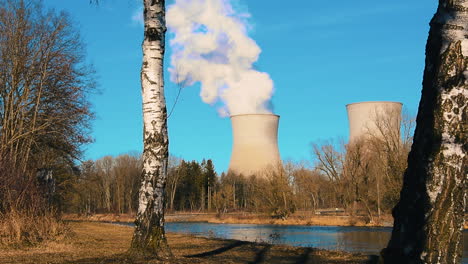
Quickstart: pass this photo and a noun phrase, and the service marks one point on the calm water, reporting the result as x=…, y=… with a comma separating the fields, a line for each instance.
x=369, y=240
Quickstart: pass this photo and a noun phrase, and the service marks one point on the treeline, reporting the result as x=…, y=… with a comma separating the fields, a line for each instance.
x=191, y=185
x=363, y=177
x=107, y=185
x=111, y=185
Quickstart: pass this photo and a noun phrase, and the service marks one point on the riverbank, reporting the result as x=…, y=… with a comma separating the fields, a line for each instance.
x=94, y=242
x=248, y=218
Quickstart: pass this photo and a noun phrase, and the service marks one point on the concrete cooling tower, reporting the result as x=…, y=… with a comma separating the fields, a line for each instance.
x=371, y=118
x=255, y=143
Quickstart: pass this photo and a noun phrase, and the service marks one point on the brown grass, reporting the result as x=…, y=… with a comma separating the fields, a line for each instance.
x=311, y=221
x=106, y=243
x=246, y=218
x=23, y=229
x=299, y=218
x=125, y=218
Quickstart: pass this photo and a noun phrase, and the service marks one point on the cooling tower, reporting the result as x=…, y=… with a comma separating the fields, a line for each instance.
x=373, y=118
x=255, y=143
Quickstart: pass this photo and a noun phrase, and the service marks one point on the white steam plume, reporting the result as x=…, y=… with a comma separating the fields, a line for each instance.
x=211, y=46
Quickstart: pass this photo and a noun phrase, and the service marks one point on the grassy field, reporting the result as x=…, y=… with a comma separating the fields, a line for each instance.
x=94, y=242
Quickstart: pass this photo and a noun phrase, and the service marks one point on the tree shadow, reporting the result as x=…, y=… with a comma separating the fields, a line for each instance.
x=219, y=250
x=124, y=258
x=117, y=258
x=305, y=257
x=373, y=259
x=260, y=257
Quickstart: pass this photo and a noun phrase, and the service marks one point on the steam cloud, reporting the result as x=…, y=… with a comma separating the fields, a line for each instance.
x=211, y=46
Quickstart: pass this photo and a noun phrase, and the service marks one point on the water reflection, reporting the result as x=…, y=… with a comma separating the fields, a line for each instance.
x=368, y=240
x=354, y=239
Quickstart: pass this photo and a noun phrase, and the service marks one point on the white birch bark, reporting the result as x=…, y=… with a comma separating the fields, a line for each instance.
x=149, y=237
x=429, y=217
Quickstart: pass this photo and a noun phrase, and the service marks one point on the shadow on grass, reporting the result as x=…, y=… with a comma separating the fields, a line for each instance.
x=312, y=256
x=118, y=258
x=124, y=259
x=219, y=250
x=261, y=255
x=305, y=257
x=373, y=259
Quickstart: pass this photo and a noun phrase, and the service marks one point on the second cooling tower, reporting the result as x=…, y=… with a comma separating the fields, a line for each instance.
x=255, y=143
x=373, y=118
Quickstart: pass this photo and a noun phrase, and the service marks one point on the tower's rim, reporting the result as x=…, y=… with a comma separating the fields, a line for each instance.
x=254, y=115
x=375, y=102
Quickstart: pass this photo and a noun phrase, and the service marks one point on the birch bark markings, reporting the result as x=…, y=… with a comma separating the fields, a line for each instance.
x=430, y=214
x=149, y=237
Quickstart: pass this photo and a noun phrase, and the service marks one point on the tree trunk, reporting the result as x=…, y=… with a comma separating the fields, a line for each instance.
x=209, y=198
x=234, y=196
x=429, y=216
x=202, y=199
x=149, y=237
x=173, y=193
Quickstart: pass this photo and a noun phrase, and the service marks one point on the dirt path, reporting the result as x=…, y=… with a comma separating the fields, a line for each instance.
x=106, y=243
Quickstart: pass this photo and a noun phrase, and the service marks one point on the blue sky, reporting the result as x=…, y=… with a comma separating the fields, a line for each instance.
x=321, y=56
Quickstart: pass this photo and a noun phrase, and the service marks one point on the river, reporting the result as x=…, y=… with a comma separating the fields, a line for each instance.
x=369, y=240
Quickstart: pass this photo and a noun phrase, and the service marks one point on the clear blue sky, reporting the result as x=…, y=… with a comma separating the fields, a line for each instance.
x=321, y=56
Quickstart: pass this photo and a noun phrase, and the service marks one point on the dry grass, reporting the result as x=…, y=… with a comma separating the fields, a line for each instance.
x=23, y=229
x=299, y=218
x=313, y=221
x=246, y=218
x=106, y=243
x=125, y=218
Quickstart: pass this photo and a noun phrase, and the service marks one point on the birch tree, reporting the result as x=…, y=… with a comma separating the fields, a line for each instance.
x=149, y=237
x=429, y=216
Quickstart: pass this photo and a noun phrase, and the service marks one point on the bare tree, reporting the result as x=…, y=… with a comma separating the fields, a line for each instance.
x=329, y=160
x=149, y=236
x=275, y=192
x=222, y=198
x=104, y=168
x=173, y=179
x=44, y=83
x=306, y=185
x=358, y=176
x=368, y=173
x=126, y=169
x=44, y=112
x=430, y=214
x=389, y=146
